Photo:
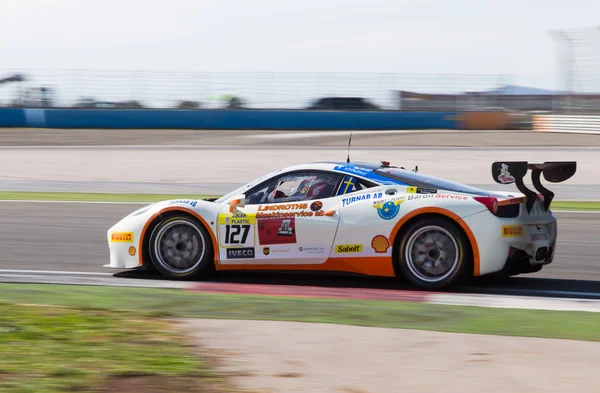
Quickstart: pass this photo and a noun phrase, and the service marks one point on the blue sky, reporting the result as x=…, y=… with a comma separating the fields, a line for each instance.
x=374, y=36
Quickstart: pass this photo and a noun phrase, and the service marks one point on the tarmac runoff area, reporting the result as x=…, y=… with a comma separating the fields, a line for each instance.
x=218, y=169
x=296, y=357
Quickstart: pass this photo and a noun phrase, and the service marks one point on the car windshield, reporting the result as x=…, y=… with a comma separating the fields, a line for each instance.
x=245, y=187
x=427, y=181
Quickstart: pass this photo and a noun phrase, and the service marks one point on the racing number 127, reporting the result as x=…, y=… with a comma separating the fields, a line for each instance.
x=232, y=233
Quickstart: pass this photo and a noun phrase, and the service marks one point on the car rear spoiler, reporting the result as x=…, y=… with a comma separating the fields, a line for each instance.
x=508, y=172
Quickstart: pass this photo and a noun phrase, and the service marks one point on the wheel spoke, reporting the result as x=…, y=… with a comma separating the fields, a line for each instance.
x=179, y=246
x=432, y=254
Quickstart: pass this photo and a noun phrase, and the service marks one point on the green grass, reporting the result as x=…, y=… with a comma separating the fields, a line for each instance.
x=53, y=349
x=575, y=205
x=176, y=303
x=116, y=197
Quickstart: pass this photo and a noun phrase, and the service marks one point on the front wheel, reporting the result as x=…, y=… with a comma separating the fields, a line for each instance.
x=433, y=253
x=181, y=248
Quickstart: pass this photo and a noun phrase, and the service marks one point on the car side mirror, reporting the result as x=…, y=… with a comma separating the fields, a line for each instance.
x=236, y=202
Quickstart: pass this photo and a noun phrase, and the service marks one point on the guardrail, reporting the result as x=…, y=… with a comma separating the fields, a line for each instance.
x=585, y=124
x=225, y=119
x=216, y=119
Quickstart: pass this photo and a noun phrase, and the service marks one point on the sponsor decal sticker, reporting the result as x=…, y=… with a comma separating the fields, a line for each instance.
x=380, y=244
x=316, y=206
x=348, y=248
x=358, y=198
x=539, y=236
x=420, y=190
x=388, y=209
x=512, y=231
x=311, y=249
x=352, y=169
x=505, y=176
x=420, y=196
x=274, y=250
x=240, y=253
x=121, y=237
x=283, y=206
x=448, y=196
x=184, y=202
x=237, y=230
x=277, y=231
x=132, y=251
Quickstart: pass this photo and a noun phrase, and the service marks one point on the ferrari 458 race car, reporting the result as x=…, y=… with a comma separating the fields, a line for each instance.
x=365, y=218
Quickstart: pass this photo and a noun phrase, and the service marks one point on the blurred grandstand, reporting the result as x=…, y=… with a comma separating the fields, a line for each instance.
x=130, y=90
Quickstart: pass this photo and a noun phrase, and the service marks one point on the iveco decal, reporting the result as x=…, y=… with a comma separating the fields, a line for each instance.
x=240, y=253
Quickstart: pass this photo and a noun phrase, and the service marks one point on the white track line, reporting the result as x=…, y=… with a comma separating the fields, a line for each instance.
x=77, y=202
x=58, y=272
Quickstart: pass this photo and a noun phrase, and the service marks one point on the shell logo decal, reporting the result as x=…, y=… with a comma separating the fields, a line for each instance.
x=380, y=244
x=132, y=251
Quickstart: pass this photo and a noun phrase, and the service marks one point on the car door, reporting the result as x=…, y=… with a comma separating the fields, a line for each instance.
x=289, y=219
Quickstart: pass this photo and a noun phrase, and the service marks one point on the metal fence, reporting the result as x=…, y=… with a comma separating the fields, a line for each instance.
x=153, y=89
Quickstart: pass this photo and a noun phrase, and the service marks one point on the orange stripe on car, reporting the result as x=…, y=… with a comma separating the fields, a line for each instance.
x=513, y=201
x=178, y=209
x=374, y=266
x=446, y=213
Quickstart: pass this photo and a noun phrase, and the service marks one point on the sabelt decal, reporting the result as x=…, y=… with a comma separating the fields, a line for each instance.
x=240, y=253
x=512, y=231
x=121, y=237
x=277, y=231
x=348, y=248
x=420, y=190
x=380, y=244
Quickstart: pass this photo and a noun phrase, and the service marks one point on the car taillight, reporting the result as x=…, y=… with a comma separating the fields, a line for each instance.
x=490, y=202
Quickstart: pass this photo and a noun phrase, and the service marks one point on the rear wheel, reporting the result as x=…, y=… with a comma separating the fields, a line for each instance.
x=433, y=253
x=181, y=248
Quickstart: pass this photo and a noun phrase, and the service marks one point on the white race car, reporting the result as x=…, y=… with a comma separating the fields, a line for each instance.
x=366, y=218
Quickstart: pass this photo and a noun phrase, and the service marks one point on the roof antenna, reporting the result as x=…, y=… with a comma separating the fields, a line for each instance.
x=349, y=141
x=352, y=129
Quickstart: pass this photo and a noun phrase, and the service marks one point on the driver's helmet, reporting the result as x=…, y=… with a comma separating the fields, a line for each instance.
x=276, y=194
x=317, y=188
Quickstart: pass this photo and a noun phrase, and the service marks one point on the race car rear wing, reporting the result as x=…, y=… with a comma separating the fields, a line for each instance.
x=508, y=172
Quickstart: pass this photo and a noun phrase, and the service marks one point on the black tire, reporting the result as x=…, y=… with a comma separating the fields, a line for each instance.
x=181, y=238
x=433, y=271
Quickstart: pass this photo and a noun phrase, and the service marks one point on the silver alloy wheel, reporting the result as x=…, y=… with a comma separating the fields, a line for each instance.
x=179, y=246
x=431, y=253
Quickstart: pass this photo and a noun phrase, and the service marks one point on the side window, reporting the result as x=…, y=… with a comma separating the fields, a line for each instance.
x=352, y=184
x=299, y=186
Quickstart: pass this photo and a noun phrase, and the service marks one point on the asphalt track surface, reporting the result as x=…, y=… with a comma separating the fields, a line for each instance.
x=259, y=138
x=71, y=237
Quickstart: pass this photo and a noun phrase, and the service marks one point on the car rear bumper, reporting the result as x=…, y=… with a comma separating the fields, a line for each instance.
x=519, y=245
